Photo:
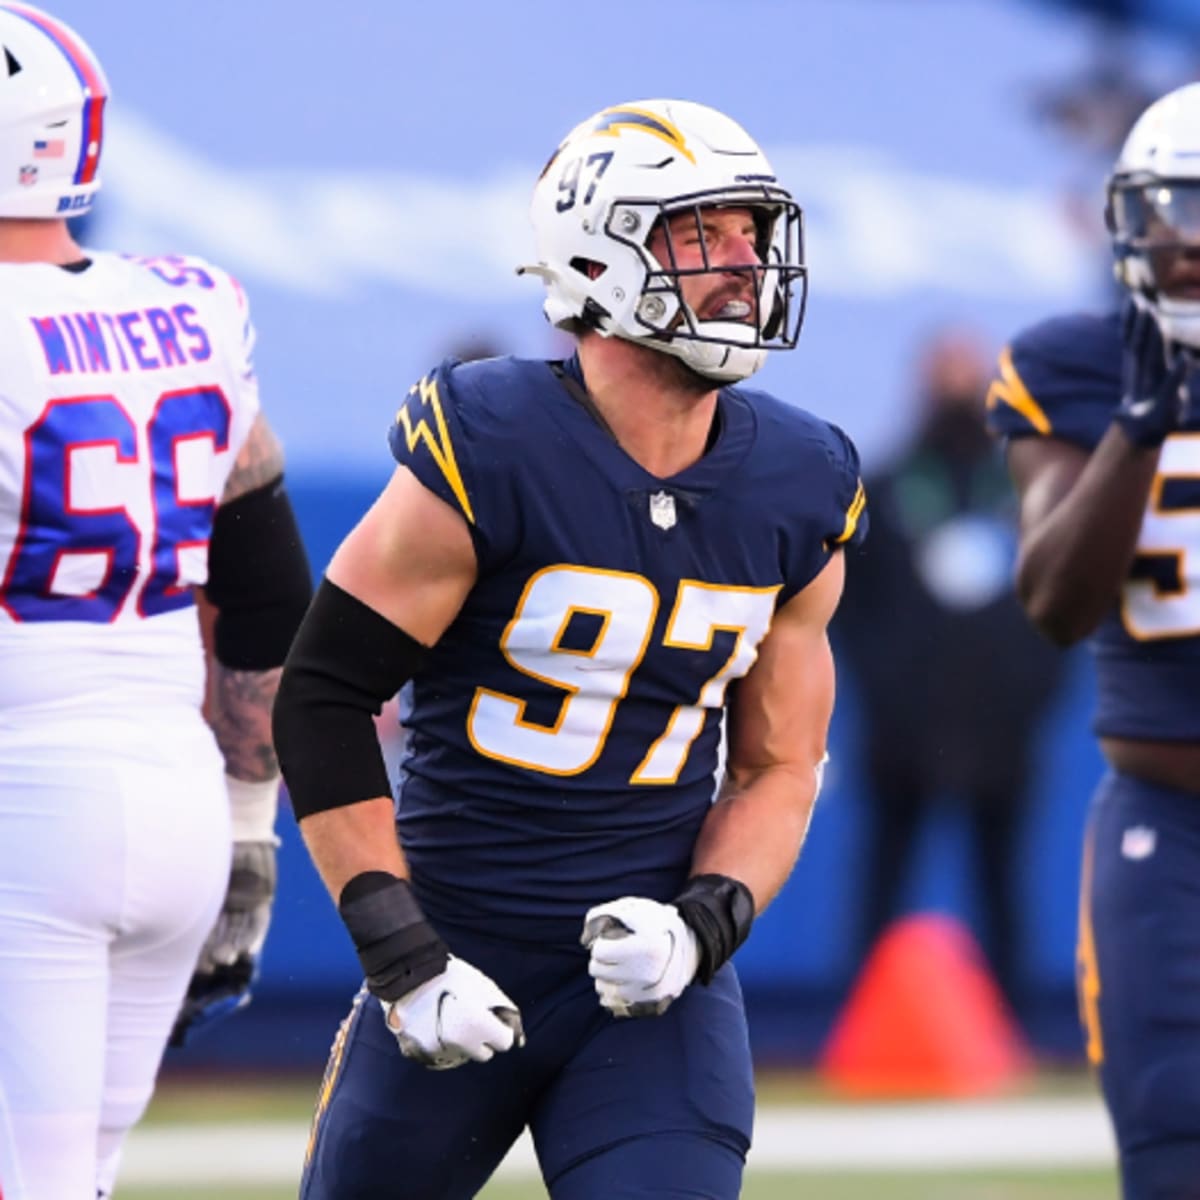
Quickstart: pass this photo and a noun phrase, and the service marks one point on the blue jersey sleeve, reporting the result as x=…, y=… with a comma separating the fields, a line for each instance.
x=809, y=475
x=454, y=440
x=847, y=518
x=1060, y=379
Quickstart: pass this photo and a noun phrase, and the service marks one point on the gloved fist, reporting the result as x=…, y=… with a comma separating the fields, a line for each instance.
x=228, y=963
x=458, y=1015
x=1154, y=378
x=642, y=955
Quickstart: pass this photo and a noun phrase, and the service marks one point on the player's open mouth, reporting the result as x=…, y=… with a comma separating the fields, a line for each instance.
x=732, y=310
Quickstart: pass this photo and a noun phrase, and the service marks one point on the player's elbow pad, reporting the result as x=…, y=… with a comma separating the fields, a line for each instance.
x=345, y=663
x=258, y=579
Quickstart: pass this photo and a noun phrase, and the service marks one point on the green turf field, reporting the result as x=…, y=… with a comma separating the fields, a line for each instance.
x=1073, y=1185
x=190, y=1103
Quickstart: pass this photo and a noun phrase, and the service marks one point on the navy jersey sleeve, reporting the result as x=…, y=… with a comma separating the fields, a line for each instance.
x=834, y=505
x=1060, y=379
x=451, y=435
x=848, y=503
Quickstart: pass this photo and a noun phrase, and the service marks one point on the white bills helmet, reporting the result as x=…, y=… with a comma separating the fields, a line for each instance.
x=1153, y=212
x=52, y=96
x=602, y=195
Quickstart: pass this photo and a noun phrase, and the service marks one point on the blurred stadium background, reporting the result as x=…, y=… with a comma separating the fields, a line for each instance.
x=364, y=169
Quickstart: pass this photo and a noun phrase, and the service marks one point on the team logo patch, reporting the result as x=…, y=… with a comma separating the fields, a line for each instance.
x=1138, y=842
x=611, y=121
x=431, y=429
x=27, y=176
x=662, y=509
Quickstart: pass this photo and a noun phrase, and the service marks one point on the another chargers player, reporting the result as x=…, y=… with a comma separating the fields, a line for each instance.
x=1104, y=447
x=135, y=467
x=585, y=571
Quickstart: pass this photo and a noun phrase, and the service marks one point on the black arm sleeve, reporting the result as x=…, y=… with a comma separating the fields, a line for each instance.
x=346, y=662
x=258, y=578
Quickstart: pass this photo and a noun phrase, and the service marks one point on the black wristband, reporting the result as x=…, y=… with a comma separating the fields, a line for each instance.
x=719, y=911
x=399, y=950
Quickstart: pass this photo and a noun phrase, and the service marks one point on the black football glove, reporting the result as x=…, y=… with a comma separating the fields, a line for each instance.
x=228, y=963
x=1154, y=378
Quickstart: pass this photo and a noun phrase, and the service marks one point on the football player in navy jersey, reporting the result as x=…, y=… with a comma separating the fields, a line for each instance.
x=1104, y=447
x=584, y=573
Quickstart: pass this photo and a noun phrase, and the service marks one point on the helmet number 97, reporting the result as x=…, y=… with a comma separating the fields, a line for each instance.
x=595, y=165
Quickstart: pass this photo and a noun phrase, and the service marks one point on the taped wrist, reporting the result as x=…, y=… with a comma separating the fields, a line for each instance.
x=719, y=911
x=399, y=950
x=347, y=661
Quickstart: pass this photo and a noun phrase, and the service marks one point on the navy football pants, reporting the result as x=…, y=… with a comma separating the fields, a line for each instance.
x=634, y=1109
x=1139, y=979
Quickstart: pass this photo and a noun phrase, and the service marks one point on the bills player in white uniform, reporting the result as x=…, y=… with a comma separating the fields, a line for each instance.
x=138, y=482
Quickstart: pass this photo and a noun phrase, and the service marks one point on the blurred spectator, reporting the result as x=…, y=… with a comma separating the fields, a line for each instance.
x=952, y=680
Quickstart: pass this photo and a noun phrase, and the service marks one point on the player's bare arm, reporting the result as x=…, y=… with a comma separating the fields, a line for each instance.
x=255, y=596
x=644, y=954
x=239, y=700
x=1080, y=518
x=259, y=461
x=238, y=708
x=411, y=561
x=393, y=587
x=778, y=725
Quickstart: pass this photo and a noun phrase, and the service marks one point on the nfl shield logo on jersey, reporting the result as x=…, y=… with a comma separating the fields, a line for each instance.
x=662, y=509
x=27, y=176
x=1138, y=841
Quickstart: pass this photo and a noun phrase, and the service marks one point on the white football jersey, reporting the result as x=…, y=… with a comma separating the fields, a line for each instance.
x=126, y=391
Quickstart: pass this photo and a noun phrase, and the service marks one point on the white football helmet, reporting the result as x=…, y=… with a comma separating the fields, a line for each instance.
x=52, y=96
x=1153, y=212
x=601, y=196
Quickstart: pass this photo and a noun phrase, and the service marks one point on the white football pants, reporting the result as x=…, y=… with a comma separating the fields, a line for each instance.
x=112, y=872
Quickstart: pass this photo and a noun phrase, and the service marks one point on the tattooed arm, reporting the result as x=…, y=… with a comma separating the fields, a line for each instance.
x=239, y=711
x=259, y=462
x=238, y=705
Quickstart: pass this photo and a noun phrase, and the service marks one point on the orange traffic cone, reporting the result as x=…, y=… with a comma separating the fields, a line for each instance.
x=925, y=1018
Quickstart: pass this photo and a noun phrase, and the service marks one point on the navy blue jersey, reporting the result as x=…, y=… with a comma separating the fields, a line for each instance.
x=564, y=734
x=1062, y=379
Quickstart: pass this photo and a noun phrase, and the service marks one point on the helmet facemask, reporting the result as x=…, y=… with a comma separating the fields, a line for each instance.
x=1156, y=234
x=1153, y=213
x=778, y=282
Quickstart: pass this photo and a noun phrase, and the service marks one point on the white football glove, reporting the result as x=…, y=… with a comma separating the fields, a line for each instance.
x=643, y=955
x=458, y=1015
